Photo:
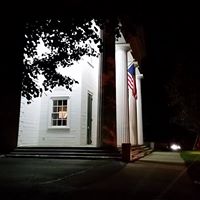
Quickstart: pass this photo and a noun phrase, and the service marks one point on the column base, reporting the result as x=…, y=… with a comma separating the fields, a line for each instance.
x=126, y=152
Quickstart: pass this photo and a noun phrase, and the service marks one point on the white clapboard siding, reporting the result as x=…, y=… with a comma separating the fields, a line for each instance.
x=35, y=129
x=62, y=136
x=29, y=122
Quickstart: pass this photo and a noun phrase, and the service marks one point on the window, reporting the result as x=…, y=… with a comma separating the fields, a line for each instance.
x=59, y=115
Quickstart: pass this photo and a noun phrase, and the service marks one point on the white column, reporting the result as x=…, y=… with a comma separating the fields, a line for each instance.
x=139, y=107
x=132, y=119
x=122, y=94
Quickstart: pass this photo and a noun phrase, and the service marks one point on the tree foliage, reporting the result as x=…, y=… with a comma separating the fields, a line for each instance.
x=68, y=39
x=183, y=99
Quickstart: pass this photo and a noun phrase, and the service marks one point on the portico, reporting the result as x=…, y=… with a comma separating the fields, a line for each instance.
x=128, y=108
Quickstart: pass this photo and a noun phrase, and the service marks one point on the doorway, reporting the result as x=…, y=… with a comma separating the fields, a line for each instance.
x=89, y=119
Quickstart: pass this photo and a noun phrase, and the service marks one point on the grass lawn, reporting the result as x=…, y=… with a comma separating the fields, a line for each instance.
x=192, y=160
x=190, y=156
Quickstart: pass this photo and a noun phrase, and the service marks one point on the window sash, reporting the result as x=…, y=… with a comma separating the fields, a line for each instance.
x=59, y=114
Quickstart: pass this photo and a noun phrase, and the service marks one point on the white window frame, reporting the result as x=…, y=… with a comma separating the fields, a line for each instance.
x=67, y=126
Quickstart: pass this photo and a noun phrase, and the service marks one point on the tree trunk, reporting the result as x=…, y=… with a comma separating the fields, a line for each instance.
x=10, y=81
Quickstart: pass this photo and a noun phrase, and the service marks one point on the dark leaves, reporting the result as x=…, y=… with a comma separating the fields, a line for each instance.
x=68, y=39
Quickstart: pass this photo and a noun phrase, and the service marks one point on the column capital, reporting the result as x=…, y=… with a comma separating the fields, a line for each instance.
x=123, y=46
x=139, y=76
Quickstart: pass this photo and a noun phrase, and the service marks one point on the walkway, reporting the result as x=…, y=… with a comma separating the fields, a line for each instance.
x=164, y=157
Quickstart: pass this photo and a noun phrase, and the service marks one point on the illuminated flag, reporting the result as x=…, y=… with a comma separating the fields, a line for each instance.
x=131, y=80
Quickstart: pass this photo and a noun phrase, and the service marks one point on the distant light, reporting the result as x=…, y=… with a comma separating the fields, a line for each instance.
x=175, y=147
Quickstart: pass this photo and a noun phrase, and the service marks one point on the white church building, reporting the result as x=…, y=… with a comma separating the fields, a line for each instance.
x=64, y=118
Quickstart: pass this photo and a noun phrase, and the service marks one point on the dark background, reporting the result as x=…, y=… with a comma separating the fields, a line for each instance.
x=172, y=52
x=172, y=43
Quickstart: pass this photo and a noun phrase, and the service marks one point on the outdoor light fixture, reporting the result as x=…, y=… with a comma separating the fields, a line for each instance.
x=175, y=147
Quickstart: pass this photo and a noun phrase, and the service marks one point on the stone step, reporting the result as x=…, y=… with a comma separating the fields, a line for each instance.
x=140, y=151
x=77, y=152
x=65, y=153
x=71, y=153
x=63, y=156
x=70, y=149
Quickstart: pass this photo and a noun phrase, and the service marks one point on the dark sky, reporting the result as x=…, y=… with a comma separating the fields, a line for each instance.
x=172, y=46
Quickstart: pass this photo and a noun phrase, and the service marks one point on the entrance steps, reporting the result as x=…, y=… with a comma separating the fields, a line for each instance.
x=65, y=153
x=140, y=151
x=137, y=152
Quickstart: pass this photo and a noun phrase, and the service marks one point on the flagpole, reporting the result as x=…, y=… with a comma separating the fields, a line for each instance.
x=132, y=103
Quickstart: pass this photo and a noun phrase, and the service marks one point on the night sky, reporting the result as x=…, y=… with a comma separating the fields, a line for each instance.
x=172, y=52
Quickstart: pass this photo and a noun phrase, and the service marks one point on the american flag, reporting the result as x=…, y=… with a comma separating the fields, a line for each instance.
x=131, y=80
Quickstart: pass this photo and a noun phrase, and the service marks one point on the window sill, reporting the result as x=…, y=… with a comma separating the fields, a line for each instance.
x=59, y=127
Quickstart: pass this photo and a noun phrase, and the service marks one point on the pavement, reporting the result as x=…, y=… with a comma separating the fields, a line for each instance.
x=55, y=179
x=164, y=157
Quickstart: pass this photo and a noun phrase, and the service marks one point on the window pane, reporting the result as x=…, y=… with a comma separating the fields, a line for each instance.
x=55, y=102
x=60, y=102
x=55, y=109
x=64, y=108
x=64, y=122
x=54, y=116
x=62, y=115
x=60, y=108
x=64, y=102
x=59, y=122
x=54, y=122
